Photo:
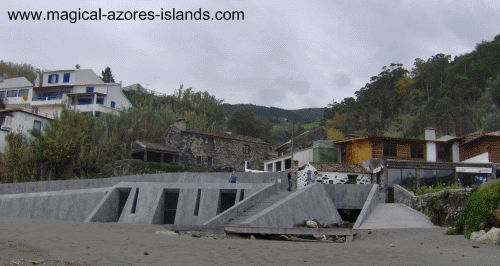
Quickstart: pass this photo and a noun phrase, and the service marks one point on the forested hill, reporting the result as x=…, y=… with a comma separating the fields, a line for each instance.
x=302, y=116
x=456, y=96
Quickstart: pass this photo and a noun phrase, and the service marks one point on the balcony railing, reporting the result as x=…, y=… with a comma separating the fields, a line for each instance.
x=47, y=98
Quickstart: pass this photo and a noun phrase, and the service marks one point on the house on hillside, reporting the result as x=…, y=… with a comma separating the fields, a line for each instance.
x=214, y=149
x=76, y=89
x=19, y=121
x=16, y=92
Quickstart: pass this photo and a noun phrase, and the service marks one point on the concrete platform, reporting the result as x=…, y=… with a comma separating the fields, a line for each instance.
x=395, y=215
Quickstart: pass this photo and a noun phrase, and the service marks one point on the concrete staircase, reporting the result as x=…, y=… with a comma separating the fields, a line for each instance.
x=279, y=195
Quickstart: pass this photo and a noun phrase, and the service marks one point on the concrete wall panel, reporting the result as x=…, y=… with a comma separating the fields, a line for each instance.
x=309, y=203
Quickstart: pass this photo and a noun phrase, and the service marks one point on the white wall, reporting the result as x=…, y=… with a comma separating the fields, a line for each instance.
x=431, y=151
x=456, y=152
x=326, y=177
x=115, y=94
x=45, y=81
x=482, y=158
x=21, y=123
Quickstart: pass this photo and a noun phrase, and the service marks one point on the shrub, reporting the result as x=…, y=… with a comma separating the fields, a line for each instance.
x=479, y=208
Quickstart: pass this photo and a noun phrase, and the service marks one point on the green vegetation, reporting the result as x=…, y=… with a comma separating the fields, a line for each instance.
x=77, y=145
x=456, y=96
x=433, y=189
x=479, y=208
x=312, y=125
x=243, y=122
x=14, y=70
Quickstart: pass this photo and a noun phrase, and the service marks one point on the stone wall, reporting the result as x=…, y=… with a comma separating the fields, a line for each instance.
x=444, y=208
x=226, y=154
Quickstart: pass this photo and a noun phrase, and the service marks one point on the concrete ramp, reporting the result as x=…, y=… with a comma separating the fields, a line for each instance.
x=395, y=215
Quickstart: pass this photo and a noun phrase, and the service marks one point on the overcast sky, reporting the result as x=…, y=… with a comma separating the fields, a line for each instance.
x=288, y=54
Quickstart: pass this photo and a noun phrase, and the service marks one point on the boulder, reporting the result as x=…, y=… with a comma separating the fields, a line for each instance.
x=492, y=237
x=476, y=235
x=167, y=233
x=312, y=224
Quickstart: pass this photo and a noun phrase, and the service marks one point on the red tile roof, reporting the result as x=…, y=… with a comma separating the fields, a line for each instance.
x=340, y=167
x=226, y=136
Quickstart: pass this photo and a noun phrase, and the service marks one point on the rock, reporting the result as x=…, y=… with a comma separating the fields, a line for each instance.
x=345, y=224
x=320, y=237
x=340, y=239
x=284, y=237
x=392, y=245
x=167, y=233
x=476, y=235
x=252, y=237
x=145, y=253
x=482, y=226
x=300, y=224
x=492, y=237
x=312, y=224
x=196, y=234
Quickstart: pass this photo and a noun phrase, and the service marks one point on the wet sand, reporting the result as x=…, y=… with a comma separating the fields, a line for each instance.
x=23, y=241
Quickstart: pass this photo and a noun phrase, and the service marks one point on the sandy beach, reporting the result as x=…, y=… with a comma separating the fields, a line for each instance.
x=25, y=241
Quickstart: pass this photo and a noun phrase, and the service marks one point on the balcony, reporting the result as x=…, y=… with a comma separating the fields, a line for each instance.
x=49, y=100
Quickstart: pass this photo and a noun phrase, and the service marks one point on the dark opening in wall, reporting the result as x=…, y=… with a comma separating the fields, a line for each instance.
x=242, y=194
x=227, y=199
x=171, y=198
x=124, y=193
x=197, y=206
x=350, y=215
x=134, y=203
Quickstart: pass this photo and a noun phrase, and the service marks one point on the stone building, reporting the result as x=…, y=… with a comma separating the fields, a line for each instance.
x=217, y=150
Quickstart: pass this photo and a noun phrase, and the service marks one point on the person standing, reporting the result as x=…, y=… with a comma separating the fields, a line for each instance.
x=314, y=177
x=289, y=175
x=232, y=178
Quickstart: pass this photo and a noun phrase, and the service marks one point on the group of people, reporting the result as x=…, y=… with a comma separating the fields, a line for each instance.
x=312, y=177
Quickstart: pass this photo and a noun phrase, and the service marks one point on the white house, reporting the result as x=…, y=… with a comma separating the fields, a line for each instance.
x=334, y=173
x=320, y=151
x=76, y=89
x=16, y=92
x=19, y=121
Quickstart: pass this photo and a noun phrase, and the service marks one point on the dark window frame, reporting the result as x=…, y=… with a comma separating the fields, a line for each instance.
x=246, y=149
x=390, y=149
x=446, y=153
x=66, y=77
x=417, y=151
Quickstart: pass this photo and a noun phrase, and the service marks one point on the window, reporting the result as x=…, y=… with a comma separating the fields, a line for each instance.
x=211, y=144
x=113, y=105
x=209, y=161
x=100, y=101
x=22, y=92
x=53, y=78
x=390, y=149
x=2, y=94
x=90, y=89
x=37, y=125
x=246, y=149
x=12, y=93
x=417, y=151
x=66, y=78
x=443, y=153
x=198, y=159
x=85, y=101
x=352, y=179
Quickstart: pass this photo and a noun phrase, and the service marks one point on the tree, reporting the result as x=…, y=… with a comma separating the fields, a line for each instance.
x=107, y=77
x=243, y=122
